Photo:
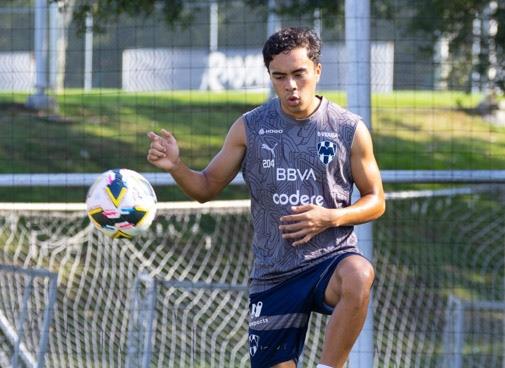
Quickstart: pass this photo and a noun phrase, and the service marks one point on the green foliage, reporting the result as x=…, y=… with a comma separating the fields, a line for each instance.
x=175, y=12
x=332, y=12
x=431, y=19
x=330, y=7
x=454, y=19
x=180, y=12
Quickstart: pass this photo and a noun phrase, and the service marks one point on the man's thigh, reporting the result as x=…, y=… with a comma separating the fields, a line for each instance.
x=354, y=274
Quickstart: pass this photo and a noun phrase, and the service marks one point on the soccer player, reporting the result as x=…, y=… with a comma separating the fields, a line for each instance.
x=300, y=156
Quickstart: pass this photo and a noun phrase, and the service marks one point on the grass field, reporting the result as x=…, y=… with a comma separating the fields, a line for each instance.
x=107, y=128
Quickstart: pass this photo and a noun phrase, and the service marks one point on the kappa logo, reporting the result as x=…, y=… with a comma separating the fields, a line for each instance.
x=253, y=344
x=326, y=151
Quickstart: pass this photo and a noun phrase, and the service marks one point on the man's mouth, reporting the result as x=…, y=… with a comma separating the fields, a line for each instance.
x=293, y=100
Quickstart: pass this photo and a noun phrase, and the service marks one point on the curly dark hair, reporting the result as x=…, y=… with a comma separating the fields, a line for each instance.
x=290, y=38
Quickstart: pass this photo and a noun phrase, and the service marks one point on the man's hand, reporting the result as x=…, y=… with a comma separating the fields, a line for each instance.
x=163, y=151
x=306, y=222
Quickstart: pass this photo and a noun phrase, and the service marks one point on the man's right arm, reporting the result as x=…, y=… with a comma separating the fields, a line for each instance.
x=206, y=184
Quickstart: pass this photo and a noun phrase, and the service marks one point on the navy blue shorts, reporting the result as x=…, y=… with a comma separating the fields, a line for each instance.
x=279, y=316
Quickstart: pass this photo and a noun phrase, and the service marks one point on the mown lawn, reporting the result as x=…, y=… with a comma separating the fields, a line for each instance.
x=107, y=128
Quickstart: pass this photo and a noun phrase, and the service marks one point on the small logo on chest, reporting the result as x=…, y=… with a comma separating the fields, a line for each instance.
x=268, y=148
x=326, y=151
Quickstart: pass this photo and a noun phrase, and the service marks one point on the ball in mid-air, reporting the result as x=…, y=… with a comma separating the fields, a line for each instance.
x=121, y=203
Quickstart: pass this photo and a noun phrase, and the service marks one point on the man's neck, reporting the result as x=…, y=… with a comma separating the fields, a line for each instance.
x=316, y=102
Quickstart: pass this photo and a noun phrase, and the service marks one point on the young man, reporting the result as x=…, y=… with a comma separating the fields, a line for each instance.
x=300, y=156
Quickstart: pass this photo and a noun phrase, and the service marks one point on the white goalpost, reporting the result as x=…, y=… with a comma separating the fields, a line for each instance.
x=26, y=323
x=359, y=95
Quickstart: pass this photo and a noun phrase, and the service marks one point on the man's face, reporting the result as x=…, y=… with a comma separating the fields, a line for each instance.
x=294, y=78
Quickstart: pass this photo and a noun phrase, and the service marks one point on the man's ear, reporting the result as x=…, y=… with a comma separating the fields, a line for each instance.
x=318, y=71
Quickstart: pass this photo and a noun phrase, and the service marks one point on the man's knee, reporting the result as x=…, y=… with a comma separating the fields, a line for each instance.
x=352, y=281
x=357, y=278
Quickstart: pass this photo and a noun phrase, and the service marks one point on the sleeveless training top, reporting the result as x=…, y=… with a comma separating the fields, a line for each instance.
x=292, y=162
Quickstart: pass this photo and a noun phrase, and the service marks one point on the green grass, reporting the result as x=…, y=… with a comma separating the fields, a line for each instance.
x=107, y=128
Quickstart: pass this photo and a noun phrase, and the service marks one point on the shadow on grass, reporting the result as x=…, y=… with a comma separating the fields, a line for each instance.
x=395, y=153
x=97, y=132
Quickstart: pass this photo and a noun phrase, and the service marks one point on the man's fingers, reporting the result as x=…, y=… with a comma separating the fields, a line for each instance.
x=166, y=134
x=155, y=155
x=153, y=136
x=293, y=218
x=299, y=213
x=302, y=208
x=156, y=145
x=292, y=227
x=302, y=241
x=301, y=237
x=296, y=234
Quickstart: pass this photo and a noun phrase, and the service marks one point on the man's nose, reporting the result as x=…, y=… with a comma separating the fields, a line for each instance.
x=290, y=84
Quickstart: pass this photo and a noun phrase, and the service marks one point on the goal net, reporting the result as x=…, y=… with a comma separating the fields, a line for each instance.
x=465, y=320
x=177, y=295
x=429, y=248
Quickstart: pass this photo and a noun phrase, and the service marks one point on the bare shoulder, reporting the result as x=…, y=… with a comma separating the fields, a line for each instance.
x=236, y=134
x=362, y=139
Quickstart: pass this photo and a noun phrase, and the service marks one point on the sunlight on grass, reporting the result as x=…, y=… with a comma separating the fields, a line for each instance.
x=104, y=128
x=187, y=97
x=412, y=99
x=422, y=99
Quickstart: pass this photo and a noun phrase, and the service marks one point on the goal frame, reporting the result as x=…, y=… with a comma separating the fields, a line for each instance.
x=14, y=334
x=454, y=331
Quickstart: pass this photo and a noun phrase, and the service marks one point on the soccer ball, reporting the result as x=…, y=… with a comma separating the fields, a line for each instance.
x=121, y=203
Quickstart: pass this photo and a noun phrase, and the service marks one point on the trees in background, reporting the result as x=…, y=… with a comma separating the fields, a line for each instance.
x=473, y=30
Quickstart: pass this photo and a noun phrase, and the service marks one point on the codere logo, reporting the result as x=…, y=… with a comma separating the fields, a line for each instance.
x=297, y=199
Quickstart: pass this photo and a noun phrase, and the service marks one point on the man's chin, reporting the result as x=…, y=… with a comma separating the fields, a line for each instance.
x=294, y=104
x=291, y=107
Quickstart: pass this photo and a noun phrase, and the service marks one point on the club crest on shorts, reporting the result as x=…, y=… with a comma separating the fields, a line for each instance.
x=253, y=344
x=326, y=151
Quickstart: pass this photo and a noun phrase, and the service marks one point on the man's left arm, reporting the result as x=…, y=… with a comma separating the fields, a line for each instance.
x=371, y=204
x=309, y=220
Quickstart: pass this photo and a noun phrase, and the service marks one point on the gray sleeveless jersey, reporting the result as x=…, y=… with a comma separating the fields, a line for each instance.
x=293, y=162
